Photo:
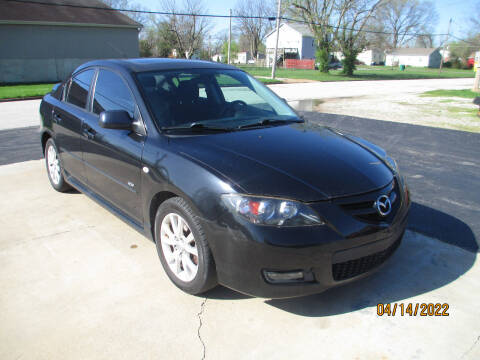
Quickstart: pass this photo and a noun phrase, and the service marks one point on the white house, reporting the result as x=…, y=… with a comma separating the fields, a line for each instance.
x=242, y=57
x=218, y=57
x=371, y=56
x=367, y=56
x=295, y=41
x=424, y=57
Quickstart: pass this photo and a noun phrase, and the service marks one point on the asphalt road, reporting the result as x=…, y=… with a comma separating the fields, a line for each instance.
x=21, y=144
x=442, y=168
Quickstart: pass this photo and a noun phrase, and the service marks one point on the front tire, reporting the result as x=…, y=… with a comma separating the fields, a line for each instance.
x=54, y=167
x=183, y=248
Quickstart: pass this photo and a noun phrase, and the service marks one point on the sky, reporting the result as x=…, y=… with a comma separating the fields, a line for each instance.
x=458, y=10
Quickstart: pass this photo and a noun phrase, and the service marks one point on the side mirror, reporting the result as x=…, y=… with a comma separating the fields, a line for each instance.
x=115, y=119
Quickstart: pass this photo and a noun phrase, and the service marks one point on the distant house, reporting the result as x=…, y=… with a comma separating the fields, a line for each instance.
x=173, y=54
x=371, y=56
x=367, y=56
x=424, y=57
x=446, y=54
x=295, y=41
x=46, y=42
x=218, y=57
x=242, y=57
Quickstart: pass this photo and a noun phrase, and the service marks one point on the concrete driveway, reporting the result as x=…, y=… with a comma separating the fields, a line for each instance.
x=76, y=283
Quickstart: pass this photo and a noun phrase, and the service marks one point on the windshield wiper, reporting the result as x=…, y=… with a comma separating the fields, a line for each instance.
x=270, y=122
x=195, y=126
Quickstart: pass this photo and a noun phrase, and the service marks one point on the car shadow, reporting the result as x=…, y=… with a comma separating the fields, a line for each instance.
x=420, y=265
x=441, y=226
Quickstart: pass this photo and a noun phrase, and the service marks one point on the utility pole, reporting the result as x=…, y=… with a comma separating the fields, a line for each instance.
x=229, y=36
x=443, y=48
x=274, y=66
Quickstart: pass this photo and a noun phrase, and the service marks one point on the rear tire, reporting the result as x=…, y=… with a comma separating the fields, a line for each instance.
x=183, y=248
x=54, y=167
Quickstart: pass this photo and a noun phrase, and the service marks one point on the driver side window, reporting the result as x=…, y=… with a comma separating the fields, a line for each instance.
x=111, y=93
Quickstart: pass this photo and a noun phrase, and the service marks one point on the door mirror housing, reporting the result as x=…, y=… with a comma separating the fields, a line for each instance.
x=115, y=119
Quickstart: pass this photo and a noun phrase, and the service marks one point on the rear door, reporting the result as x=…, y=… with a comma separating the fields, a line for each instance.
x=113, y=158
x=68, y=117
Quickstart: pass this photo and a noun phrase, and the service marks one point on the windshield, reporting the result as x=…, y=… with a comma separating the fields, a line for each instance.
x=211, y=98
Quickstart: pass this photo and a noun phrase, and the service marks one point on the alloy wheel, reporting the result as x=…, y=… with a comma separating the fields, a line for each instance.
x=53, y=165
x=179, y=247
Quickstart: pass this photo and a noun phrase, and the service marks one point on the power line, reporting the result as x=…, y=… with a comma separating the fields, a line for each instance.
x=141, y=11
x=475, y=45
x=347, y=28
x=166, y=13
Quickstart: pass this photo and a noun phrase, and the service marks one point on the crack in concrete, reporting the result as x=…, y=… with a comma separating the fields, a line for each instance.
x=471, y=347
x=199, y=315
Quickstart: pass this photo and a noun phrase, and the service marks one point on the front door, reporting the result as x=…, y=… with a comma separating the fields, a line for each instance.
x=113, y=158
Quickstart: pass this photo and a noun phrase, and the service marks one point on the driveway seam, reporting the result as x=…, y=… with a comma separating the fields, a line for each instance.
x=471, y=347
x=199, y=315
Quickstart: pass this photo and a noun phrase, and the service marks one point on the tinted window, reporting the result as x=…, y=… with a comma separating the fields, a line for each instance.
x=214, y=96
x=111, y=93
x=78, y=92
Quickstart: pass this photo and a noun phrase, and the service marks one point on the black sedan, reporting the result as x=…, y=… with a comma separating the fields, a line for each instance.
x=229, y=182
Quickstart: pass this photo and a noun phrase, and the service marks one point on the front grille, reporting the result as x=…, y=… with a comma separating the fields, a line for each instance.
x=352, y=268
x=363, y=208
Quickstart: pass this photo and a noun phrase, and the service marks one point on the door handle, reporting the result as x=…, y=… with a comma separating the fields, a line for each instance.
x=89, y=132
x=57, y=118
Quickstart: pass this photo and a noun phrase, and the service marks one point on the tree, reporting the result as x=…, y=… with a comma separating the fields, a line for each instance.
x=233, y=50
x=424, y=41
x=189, y=31
x=254, y=30
x=319, y=15
x=376, y=34
x=127, y=4
x=407, y=19
x=350, y=35
x=460, y=51
x=146, y=48
x=158, y=38
x=475, y=19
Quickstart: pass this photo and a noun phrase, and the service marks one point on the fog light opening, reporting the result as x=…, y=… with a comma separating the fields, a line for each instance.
x=284, y=276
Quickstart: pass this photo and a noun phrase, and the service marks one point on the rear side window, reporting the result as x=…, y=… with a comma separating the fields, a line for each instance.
x=78, y=92
x=111, y=93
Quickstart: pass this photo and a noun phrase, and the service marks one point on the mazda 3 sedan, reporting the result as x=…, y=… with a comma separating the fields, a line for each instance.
x=231, y=184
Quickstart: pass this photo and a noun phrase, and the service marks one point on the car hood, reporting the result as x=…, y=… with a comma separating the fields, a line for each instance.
x=299, y=161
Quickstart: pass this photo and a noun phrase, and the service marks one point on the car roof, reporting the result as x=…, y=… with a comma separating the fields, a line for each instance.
x=153, y=64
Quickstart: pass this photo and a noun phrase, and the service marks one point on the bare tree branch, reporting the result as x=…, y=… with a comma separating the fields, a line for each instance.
x=189, y=30
x=253, y=29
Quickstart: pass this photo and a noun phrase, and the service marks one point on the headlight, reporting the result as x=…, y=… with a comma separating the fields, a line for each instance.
x=269, y=211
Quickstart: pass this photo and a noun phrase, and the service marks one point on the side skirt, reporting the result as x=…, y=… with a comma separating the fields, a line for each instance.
x=105, y=204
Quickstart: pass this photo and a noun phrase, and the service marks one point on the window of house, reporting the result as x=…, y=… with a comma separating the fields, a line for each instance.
x=77, y=93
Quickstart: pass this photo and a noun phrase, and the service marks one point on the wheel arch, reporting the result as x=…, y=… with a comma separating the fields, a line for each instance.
x=44, y=138
x=158, y=199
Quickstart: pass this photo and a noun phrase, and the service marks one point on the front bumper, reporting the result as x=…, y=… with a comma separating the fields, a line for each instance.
x=331, y=255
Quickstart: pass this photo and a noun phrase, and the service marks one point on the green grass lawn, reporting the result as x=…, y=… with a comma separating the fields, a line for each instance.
x=22, y=91
x=270, y=81
x=363, y=73
x=466, y=94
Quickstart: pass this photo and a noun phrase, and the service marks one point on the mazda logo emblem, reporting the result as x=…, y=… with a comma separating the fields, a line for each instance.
x=383, y=205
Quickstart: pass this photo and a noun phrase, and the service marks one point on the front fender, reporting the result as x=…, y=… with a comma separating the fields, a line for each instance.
x=174, y=174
